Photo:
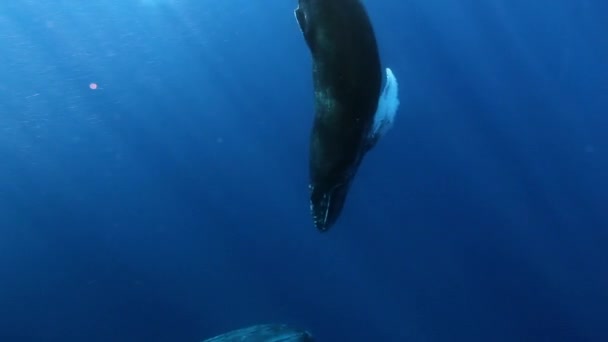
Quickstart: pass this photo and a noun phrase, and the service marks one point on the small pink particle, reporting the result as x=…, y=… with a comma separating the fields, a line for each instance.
x=93, y=86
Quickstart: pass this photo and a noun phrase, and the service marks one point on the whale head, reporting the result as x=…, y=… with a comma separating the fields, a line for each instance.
x=326, y=204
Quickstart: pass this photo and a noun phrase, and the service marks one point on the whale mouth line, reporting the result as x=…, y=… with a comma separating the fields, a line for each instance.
x=321, y=221
x=325, y=209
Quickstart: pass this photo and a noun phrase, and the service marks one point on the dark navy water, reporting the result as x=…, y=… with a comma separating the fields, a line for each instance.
x=171, y=202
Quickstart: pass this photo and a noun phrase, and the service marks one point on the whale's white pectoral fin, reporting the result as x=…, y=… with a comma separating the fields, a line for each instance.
x=388, y=103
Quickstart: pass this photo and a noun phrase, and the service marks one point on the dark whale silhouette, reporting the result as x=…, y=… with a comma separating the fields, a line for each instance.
x=347, y=79
x=264, y=333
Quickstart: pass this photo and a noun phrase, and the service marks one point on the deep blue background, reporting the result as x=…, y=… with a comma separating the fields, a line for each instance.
x=171, y=203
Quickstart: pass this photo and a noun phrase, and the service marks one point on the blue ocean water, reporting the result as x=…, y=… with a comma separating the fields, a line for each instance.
x=154, y=159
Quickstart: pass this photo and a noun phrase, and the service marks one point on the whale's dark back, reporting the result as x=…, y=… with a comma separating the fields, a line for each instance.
x=345, y=51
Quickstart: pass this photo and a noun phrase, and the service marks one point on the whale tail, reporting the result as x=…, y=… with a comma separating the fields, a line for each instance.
x=388, y=103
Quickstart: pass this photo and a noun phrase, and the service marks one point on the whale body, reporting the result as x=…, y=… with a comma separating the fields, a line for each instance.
x=351, y=111
x=264, y=333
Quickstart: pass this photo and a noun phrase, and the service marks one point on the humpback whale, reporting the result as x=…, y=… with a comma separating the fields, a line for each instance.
x=351, y=112
x=264, y=333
